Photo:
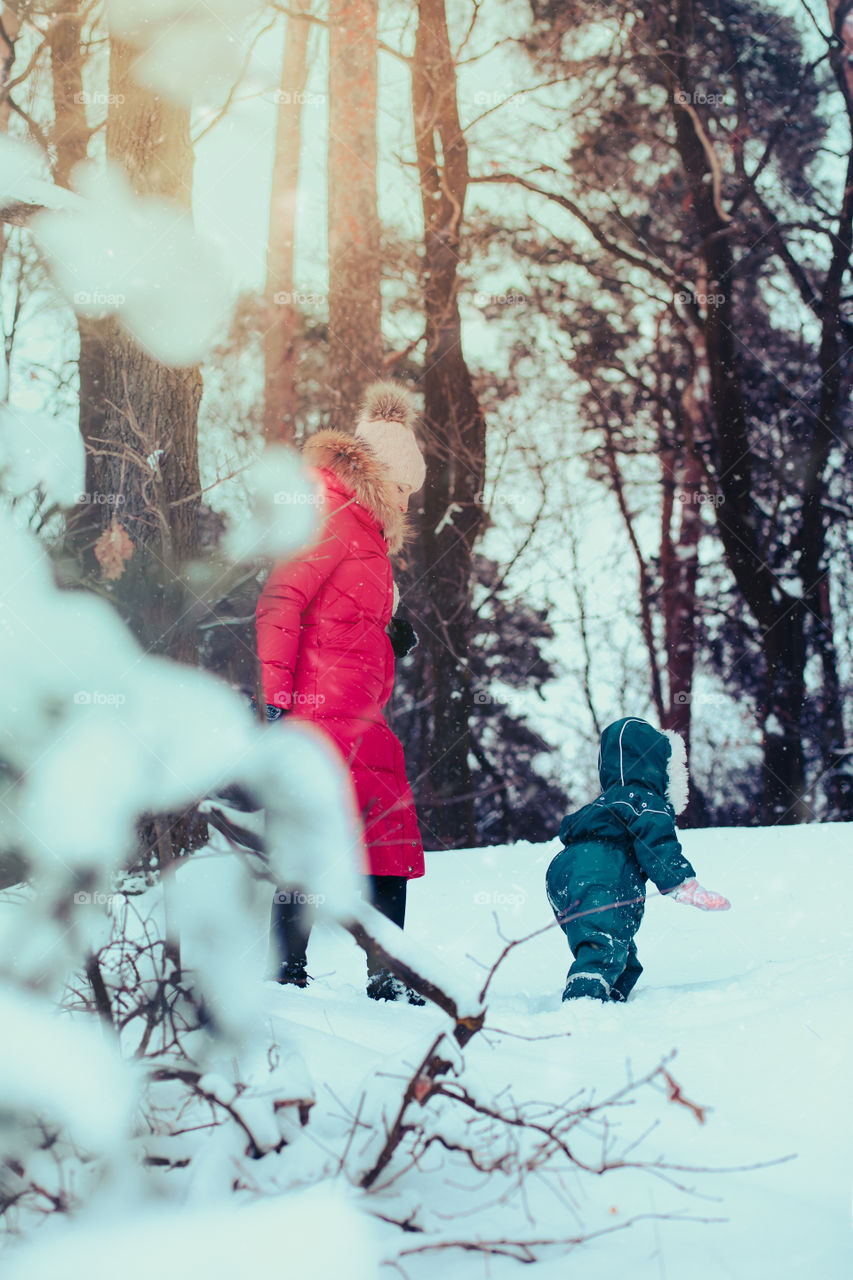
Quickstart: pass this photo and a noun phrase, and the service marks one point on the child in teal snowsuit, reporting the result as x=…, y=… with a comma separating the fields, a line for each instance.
x=596, y=884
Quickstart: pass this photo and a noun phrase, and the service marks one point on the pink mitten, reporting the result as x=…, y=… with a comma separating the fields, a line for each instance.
x=691, y=892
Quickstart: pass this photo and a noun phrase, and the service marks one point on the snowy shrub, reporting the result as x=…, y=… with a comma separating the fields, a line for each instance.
x=96, y=734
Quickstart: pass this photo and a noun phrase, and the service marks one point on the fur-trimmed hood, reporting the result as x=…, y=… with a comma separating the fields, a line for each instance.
x=677, y=776
x=633, y=751
x=353, y=462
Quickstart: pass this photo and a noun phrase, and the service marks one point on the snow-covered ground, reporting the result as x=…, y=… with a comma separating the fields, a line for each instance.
x=756, y=1003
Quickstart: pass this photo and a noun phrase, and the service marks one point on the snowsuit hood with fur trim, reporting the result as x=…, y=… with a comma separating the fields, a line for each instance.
x=633, y=751
x=322, y=644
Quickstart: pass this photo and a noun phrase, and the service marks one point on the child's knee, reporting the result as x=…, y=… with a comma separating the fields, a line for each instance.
x=561, y=892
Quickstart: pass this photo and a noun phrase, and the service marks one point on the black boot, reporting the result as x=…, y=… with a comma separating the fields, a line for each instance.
x=384, y=985
x=293, y=973
x=388, y=895
x=289, y=933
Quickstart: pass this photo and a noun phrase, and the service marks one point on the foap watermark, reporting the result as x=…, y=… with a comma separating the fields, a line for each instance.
x=83, y=898
x=99, y=99
x=95, y=298
x=514, y=897
x=498, y=299
x=505, y=701
x=703, y=497
x=288, y=298
x=301, y=98
x=495, y=98
x=286, y=897
x=307, y=699
x=698, y=98
x=100, y=499
x=96, y=698
x=701, y=299
x=505, y=498
x=682, y=698
x=298, y=498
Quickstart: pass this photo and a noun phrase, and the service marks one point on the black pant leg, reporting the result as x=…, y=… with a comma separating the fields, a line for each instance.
x=388, y=895
x=289, y=928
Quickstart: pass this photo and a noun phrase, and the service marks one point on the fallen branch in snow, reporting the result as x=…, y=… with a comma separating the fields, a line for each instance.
x=530, y=1250
x=240, y=838
x=505, y=1141
x=430, y=1066
x=192, y=1077
x=99, y=990
x=17, y=213
x=195, y=1079
x=549, y=1131
x=466, y=1025
x=38, y=196
x=675, y=1095
x=510, y=946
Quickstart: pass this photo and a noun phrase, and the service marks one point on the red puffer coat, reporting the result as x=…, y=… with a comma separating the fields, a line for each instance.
x=324, y=653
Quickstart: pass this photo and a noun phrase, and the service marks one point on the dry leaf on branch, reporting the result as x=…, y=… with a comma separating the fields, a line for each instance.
x=112, y=550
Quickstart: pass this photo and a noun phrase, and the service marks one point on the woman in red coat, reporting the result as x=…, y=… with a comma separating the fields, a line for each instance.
x=326, y=657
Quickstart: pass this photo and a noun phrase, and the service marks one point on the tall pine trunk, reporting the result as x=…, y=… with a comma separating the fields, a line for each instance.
x=355, y=306
x=780, y=622
x=70, y=137
x=9, y=28
x=150, y=428
x=456, y=434
x=150, y=432
x=835, y=755
x=280, y=354
x=679, y=572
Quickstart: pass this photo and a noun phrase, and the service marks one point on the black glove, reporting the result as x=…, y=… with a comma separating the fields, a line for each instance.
x=272, y=713
x=402, y=636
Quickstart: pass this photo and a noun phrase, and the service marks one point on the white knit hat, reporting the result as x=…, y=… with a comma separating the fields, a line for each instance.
x=386, y=423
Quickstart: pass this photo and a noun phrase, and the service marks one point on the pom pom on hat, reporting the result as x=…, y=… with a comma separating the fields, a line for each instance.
x=386, y=423
x=388, y=402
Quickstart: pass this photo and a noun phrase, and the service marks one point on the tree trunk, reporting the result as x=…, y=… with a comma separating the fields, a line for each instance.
x=683, y=473
x=70, y=133
x=147, y=469
x=834, y=358
x=645, y=584
x=70, y=136
x=355, y=269
x=280, y=398
x=680, y=570
x=147, y=466
x=779, y=622
x=837, y=778
x=456, y=432
x=784, y=765
x=9, y=28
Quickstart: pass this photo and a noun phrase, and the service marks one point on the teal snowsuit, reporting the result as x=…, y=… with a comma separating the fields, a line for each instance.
x=596, y=884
